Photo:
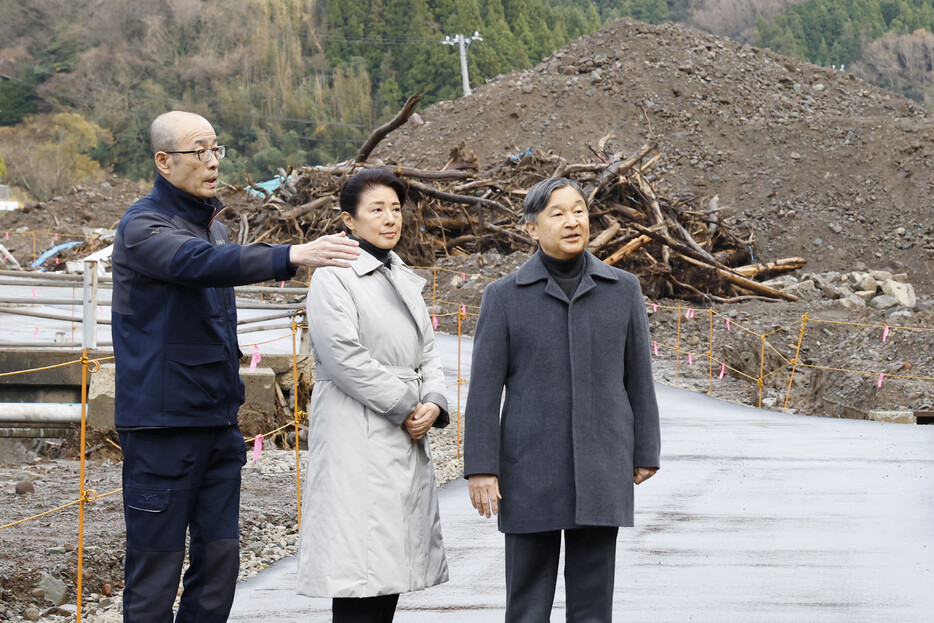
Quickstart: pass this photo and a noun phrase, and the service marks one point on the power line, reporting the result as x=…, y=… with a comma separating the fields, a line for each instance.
x=377, y=40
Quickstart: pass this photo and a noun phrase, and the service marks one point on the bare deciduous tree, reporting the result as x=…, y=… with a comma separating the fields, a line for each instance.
x=735, y=18
x=902, y=63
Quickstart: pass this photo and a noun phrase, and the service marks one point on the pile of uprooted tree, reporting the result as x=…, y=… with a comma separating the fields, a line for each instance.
x=678, y=245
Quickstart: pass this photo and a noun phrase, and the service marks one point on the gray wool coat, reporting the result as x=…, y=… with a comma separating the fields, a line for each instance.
x=579, y=411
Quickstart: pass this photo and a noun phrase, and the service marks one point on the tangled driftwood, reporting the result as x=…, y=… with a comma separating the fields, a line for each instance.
x=678, y=245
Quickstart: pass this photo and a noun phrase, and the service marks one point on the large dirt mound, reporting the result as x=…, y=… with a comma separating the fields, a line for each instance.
x=817, y=162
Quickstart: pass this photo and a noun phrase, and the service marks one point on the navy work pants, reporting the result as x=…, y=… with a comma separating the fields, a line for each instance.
x=589, y=569
x=177, y=480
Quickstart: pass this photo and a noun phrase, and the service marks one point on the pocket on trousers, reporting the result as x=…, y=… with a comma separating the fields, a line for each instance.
x=147, y=500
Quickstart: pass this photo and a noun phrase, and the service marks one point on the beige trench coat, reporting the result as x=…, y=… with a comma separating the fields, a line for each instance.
x=370, y=523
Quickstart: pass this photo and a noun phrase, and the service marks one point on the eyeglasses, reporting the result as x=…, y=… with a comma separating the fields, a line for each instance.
x=204, y=155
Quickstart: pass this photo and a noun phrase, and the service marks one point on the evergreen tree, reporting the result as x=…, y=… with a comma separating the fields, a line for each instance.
x=17, y=99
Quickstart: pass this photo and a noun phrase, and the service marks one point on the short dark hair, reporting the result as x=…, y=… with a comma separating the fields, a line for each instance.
x=365, y=179
x=537, y=197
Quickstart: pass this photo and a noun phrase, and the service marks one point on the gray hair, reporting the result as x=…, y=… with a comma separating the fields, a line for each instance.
x=538, y=196
x=162, y=134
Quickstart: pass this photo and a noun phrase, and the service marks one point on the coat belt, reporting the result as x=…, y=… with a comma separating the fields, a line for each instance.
x=403, y=374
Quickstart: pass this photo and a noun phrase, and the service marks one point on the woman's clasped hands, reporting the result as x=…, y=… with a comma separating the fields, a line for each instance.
x=421, y=420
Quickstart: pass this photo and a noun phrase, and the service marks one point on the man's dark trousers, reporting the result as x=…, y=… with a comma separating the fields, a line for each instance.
x=177, y=480
x=589, y=568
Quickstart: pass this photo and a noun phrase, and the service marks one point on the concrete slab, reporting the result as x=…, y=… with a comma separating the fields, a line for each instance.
x=756, y=516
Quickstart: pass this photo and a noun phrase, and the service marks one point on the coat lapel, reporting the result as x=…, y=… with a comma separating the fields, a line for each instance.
x=406, y=283
x=594, y=269
x=534, y=271
x=409, y=286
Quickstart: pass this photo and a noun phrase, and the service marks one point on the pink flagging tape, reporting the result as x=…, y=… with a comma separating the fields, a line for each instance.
x=434, y=323
x=256, y=358
x=655, y=346
x=257, y=447
x=722, y=370
x=881, y=376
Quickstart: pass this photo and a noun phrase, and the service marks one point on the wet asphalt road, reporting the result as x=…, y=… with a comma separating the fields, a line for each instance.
x=756, y=516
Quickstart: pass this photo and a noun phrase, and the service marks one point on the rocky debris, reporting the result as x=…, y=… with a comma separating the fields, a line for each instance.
x=879, y=289
x=24, y=487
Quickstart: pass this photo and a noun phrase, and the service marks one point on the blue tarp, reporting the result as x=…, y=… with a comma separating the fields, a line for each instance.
x=54, y=251
x=269, y=185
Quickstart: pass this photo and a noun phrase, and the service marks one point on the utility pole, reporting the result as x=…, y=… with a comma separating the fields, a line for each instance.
x=464, y=43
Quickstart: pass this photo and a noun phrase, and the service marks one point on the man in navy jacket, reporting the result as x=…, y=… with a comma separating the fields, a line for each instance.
x=178, y=387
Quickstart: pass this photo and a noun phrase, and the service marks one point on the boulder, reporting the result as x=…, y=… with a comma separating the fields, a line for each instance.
x=780, y=283
x=880, y=275
x=866, y=283
x=883, y=301
x=865, y=295
x=56, y=592
x=805, y=290
x=904, y=293
x=852, y=302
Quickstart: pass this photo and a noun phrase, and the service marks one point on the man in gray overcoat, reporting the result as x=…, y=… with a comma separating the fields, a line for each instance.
x=567, y=337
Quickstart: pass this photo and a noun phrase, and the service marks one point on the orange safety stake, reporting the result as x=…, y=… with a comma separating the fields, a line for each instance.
x=794, y=362
x=86, y=366
x=759, y=381
x=461, y=314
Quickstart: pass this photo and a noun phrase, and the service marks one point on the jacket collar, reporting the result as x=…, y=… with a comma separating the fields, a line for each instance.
x=366, y=263
x=403, y=279
x=534, y=271
x=192, y=209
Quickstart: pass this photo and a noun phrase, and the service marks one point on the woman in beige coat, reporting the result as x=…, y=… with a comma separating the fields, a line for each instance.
x=370, y=525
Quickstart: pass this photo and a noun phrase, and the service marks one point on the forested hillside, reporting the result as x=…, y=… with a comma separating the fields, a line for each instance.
x=285, y=81
x=887, y=42
x=304, y=81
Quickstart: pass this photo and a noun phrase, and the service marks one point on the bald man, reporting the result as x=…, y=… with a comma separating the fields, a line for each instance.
x=178, y=387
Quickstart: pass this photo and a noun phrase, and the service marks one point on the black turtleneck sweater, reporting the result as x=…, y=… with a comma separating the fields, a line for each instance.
x=381, y=254
x=567, y=273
